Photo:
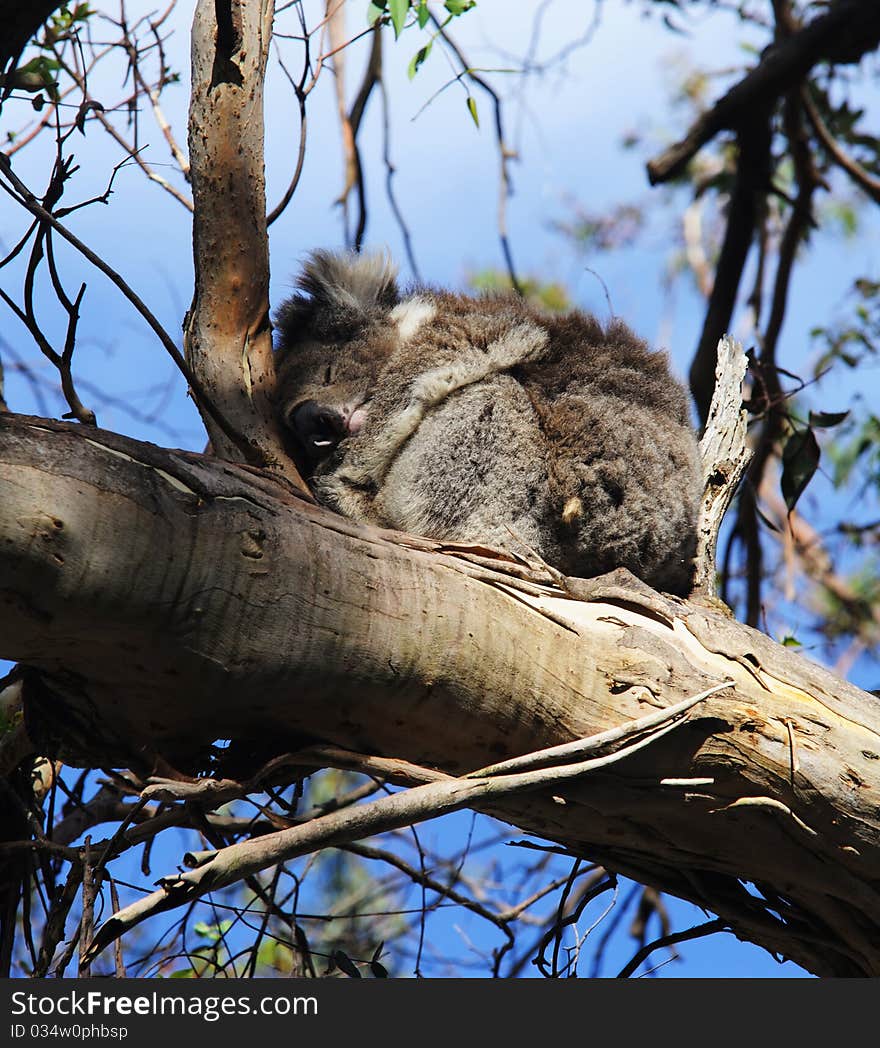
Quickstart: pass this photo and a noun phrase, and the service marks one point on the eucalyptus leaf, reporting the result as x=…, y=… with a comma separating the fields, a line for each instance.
x=472, y=109
x=800, y=458
x=345, y=964
x=827, y=419
x=398, y=10
x=374, y=13
x=418, y=58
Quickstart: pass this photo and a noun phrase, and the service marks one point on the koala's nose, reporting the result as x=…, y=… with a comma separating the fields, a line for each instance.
x=318, y=427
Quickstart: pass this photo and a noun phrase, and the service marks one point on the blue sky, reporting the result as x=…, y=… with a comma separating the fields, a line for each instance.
x=566, y=128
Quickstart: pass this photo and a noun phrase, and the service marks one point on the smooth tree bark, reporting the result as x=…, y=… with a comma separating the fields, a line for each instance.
x=164, y=600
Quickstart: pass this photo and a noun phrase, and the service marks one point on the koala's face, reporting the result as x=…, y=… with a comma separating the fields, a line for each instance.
x=324, y=392
x=332, y=344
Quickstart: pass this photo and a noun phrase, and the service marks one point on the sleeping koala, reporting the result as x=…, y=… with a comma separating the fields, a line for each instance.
x=482, y=420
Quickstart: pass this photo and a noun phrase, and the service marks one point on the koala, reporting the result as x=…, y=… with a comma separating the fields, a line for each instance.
x=480, y=420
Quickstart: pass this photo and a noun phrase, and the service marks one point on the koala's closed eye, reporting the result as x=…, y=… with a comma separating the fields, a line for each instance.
x=482, y=420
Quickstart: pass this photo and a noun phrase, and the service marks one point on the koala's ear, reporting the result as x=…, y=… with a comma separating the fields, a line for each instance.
x=343, y=291
x=349, y=282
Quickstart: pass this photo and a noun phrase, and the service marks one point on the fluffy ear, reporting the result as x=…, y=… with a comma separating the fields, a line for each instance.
x=350, y=282
x=343, y=291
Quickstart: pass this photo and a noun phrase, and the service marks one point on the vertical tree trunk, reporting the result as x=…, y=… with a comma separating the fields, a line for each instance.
x=228, y=334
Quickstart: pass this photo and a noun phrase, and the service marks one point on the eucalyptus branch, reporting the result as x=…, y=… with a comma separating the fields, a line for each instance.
x=867, y=182
x=390, y=170
x=212, y=870
x=699, y=931
x=846, y=32
x=301, y=94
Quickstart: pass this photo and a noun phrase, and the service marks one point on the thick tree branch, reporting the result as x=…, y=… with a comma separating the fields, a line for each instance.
x=221, y=606
x=746, y=200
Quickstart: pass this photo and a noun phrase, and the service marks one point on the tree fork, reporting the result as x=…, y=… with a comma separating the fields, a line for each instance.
x=228, y=338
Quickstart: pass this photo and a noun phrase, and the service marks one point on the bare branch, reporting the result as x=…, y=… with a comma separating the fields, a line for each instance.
x=22, y=195
x=505, y=153
x=867, y=182
x=699, y=931
x=210, y=871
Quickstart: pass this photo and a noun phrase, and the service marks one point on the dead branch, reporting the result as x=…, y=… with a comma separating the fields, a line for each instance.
x=210, y=871
x=724, y=456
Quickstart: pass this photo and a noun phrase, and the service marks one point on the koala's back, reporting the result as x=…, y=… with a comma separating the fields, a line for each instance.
x=489, y=422
x=583, y=451
x=475, y=471
x=626, y=462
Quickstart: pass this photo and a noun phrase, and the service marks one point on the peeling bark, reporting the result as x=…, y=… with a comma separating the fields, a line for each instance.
x=165, y=600
x=228, y=337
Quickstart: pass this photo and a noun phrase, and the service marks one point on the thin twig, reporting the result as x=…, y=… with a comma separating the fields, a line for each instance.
x=23, y=196
x=505, y=154
x=700, y=931
x=867, y=182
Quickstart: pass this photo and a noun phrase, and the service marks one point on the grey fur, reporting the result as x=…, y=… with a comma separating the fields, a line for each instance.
x=481, y=420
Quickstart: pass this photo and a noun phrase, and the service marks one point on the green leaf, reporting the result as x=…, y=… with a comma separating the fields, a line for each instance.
x=791, y=642
x=800, y=458
x=418, y=58
x=379, y=970
x=42, y=65
x=472, y=109
x=398, y=10
x=827, y=419
x=423, y=14
x=458, y=7
x=374, y=13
